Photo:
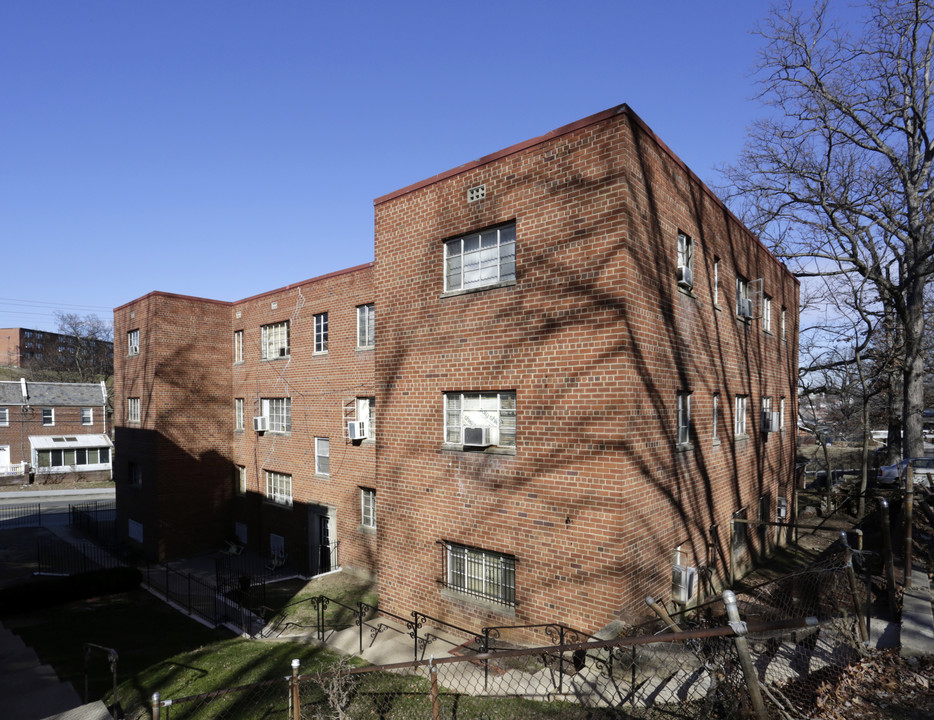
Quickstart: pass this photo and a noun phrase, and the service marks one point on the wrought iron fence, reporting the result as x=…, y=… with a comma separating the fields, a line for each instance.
x=96, y=519
x=20, y=516
x=57, y=557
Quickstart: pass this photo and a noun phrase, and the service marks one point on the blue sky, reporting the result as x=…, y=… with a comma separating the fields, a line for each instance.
x=226, y=148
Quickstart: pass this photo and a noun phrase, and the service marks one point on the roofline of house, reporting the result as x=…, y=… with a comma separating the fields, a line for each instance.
x=594, y=119
x=319, y=278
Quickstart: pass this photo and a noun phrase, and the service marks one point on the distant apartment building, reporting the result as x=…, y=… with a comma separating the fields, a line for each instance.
x=568, y=371
x=22, y=347
x=51, y=432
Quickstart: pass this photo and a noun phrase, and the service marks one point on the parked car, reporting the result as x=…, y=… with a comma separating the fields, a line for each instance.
x=890, y=475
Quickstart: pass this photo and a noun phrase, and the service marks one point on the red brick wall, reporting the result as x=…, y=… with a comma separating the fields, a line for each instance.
x=187, y=444
x=596, y=339
x=67, y=422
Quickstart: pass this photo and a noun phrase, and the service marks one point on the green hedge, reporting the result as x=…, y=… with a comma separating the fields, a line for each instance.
x=48, y=592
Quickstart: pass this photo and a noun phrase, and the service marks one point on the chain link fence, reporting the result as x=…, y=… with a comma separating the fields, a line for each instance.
x=766, y=655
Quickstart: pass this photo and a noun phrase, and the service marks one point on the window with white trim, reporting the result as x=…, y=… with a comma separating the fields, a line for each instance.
x=238, y=346
x=739, y=415
x=132, y=410
x=493, y=410
x=366, y=410
x=132, y=343
x=368, y=508
x=240, y=479
x=4, y=417
x=480, y=259
x=784, y=313
x=87, y=416
x=366, y=325
x=781, y=414
x=48, y=417
x=322, y=456
x=72, y=457
x=279, y=487
x=685, y=260
x=684, y=418
x=767, y=412
x=743, y=308
x=716, y=415
x=321, y=333
x=275, y=341
x=279, y=413
x=238, y=414
x=766, y=313
x=481, y=573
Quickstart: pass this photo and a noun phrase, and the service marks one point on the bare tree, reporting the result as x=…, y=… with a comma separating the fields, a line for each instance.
x=839, y=179
x=89, y=355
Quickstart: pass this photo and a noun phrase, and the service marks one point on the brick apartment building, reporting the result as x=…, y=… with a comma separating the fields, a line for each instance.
x=53, y=431
x=23, y=347
x=231, y=420
x=585, y=368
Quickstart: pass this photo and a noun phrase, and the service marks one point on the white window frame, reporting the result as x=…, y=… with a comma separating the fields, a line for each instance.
x=322, y=456
x=87, y=416
x=278, y=411
x=366, y=326
x=742, y=293
x=784, y=313
x=766, y=313
x=275, y=341
x=481, y=573
x=480, y=259
x=48, y=417
x=766, y=402
x=716, y=416
x=686, y=251
x=739, y=415
x=321, y=333
x=368, y=508
x=132, y=343
x=496, y=410
x=133, y=410
x=238, y=346
x=238, y=414
x=365, y=409
x=684, y=418
x=4, y=417
x=240, y=476
x=279, y=487
x=781, y=414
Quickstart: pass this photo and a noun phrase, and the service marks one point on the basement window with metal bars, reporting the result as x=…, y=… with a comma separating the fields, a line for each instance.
x=481, y=573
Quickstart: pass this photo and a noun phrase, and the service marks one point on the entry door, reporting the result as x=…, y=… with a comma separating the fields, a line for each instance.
x=4, y=456
x=319, y=540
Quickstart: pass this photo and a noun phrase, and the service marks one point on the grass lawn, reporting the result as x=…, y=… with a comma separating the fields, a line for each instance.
x=289, y=600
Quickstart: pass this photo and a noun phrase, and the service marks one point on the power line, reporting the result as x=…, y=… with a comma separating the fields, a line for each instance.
x=19, y=302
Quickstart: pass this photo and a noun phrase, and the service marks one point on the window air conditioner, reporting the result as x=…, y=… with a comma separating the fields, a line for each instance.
x=477, y=436
x=261, y=423
x=685, y=276
x=282, y=352
x=745, y=308
x=782, y=508
x=357, y=429
x=682, y=583
x=134, y=349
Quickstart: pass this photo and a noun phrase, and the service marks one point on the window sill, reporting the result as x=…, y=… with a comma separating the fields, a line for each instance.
x=364, y=348
x=739, y=438
x=239, y=362
x=716, y=442
x=320, y=353
x=279, y=433
x=685, y=290
x=367, y=530
x=492, y=450
x=684, y=447
x=467, y=291
x=768, y=332
x=322, y=476
x=468, y=599
x=269, y=502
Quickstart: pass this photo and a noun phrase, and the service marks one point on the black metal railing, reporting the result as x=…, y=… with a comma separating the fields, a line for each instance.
x=20, y=516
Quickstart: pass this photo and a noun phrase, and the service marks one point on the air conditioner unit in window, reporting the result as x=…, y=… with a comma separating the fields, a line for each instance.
x=134, y=349
x=782, y=508
x=685, y=276
x=477, y=436
x=358, y=429
x=682, y=583
x=261, y=423
x=745, y=308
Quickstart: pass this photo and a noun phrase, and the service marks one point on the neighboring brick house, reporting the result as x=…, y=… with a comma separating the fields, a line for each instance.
x=232, y=421
x=51, y=432
x=586, y=367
